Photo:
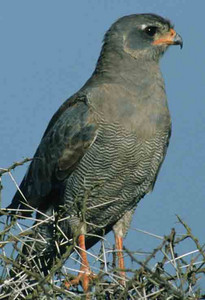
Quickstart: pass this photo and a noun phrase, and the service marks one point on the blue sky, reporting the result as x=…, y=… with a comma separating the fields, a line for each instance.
x=49, y=49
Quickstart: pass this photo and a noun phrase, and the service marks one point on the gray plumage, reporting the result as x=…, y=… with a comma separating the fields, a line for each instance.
x=103, y=149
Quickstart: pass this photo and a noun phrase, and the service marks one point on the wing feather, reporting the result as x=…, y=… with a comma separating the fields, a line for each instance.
x=69, y=134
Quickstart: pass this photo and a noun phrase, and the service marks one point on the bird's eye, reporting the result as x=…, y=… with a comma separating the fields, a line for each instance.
x=151, y=30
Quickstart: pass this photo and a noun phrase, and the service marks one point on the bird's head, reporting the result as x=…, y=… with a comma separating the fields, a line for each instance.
x=146, y=35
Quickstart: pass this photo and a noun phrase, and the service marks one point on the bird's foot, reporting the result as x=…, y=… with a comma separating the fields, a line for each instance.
x=84, y=277
x=122, y=280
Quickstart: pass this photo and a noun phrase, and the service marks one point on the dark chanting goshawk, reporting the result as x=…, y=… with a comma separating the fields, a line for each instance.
x=103, y=148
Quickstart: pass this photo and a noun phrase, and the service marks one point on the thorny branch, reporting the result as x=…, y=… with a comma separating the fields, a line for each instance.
x=163, y=273
x=13, y=166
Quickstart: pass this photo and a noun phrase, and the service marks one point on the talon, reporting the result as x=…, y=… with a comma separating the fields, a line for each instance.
x=85, y=275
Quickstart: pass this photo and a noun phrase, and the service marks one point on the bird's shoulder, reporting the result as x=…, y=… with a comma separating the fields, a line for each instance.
x=69, y=134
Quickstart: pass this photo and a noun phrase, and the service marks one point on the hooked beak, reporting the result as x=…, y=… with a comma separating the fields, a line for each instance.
x=170, y=38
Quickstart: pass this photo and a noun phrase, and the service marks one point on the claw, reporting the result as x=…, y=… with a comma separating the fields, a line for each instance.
x=85, y=275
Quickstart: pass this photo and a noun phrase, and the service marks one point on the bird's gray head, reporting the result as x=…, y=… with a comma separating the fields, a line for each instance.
x=141, y=35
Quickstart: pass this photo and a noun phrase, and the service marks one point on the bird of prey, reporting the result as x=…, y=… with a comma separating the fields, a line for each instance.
x=103, y=148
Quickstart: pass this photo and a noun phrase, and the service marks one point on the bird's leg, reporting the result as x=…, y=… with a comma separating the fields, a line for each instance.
x=119, y=248
x=120, y=228
x=85, y=275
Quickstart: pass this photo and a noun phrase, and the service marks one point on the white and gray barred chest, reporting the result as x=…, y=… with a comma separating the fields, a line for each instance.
x=115, y=173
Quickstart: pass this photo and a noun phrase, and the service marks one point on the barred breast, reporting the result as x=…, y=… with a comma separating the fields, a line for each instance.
x=115, y=173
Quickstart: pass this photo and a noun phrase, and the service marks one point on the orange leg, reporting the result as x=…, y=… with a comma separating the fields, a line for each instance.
x=85, y=274
x=119, y=247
